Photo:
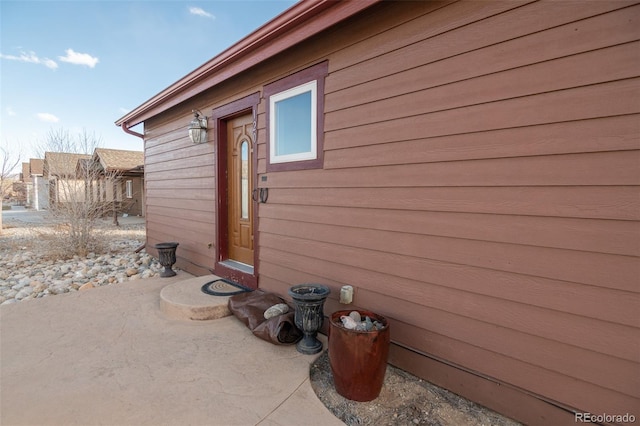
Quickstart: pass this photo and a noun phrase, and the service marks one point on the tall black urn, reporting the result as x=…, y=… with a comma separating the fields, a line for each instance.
x=309, y=300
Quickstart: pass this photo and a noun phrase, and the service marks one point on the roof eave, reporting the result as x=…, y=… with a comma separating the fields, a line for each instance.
x=248, y=48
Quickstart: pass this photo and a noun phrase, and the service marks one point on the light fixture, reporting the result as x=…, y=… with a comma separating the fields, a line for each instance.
x=198, y=128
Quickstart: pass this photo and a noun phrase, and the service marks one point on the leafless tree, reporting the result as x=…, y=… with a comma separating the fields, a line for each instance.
x=62, y=140
x=81, y=191
x=9, y=161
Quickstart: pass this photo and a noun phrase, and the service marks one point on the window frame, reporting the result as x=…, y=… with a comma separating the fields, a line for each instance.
x=312, y=154
x=128, y=189
x=308, y=79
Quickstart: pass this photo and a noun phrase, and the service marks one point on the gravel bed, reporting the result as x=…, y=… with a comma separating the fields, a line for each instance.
x=29, y=269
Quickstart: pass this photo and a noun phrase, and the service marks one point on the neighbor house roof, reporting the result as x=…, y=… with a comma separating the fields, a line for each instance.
x=36, y=166
x=62, y=163
x=117, y=159
x=26, y=174
x=300, y=22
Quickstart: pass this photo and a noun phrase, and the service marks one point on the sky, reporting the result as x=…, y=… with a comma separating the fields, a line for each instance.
x=82, y=64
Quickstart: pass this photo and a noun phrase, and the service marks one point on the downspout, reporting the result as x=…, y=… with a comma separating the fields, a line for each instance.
x=125, y=128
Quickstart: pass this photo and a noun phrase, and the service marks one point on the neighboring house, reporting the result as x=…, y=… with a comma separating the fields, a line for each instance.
x=59, y=169
x=108, y=175
x=25, y=178
x=470, y=168
x=37, y=188
x=128, y=166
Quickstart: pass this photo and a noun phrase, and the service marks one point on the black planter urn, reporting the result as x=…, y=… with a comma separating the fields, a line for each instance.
x=167, y=257
x=309, y=300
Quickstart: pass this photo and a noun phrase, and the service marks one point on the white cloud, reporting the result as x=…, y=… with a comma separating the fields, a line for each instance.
x=32, y=58
x=11, y=112
x=46, y=117
x=124, y=110
x=200, y=12
x=79, y=58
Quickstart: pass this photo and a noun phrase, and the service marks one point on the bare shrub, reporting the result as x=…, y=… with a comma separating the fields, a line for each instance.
x=81, y=191
x=57, y=243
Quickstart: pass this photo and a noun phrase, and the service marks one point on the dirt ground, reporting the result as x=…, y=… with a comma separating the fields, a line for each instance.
x=404, y=400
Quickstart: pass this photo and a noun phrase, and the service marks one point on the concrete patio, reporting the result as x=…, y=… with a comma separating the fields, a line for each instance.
x=109, y=356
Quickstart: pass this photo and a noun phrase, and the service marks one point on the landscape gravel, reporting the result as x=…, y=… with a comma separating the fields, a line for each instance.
x=29, y=271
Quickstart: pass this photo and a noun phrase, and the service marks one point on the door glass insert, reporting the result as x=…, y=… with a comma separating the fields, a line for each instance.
x=244, y=180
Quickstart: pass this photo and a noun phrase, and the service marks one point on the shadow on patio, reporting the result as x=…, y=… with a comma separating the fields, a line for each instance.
x=109, y=356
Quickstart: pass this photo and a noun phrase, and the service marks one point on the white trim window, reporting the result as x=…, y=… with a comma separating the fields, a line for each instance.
x=129, y=189
x=293, y=124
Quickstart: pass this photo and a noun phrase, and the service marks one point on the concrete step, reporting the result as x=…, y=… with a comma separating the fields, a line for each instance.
x=184, y=300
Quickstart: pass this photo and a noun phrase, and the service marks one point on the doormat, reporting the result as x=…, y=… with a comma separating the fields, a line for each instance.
x=222, y=287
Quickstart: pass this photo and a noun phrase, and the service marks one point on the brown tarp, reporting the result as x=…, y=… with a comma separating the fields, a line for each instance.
x=249, y=308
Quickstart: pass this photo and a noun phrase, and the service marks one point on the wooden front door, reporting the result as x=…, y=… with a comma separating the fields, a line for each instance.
x=240, y=189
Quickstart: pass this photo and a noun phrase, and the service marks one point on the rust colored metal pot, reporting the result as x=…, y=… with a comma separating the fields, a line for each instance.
x=358, y=359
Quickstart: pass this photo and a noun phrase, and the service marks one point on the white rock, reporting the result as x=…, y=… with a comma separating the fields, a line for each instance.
x=348, y=322
x=275, y=310
x=356, y=316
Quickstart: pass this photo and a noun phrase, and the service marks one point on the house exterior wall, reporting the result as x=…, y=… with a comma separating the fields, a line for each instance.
x=41, y=193
x=479, y=188
x=133, y=206
x=66, y=190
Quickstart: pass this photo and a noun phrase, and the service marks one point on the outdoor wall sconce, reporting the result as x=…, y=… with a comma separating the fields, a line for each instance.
x=198, y=128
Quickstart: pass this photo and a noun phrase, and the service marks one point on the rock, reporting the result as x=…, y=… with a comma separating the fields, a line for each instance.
x=348, y=322
x=93, y=271
x=30, y=273
x=24, y=293
x=275, y=310
x=368, y=324
x=39, y=288
x=18, y=286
